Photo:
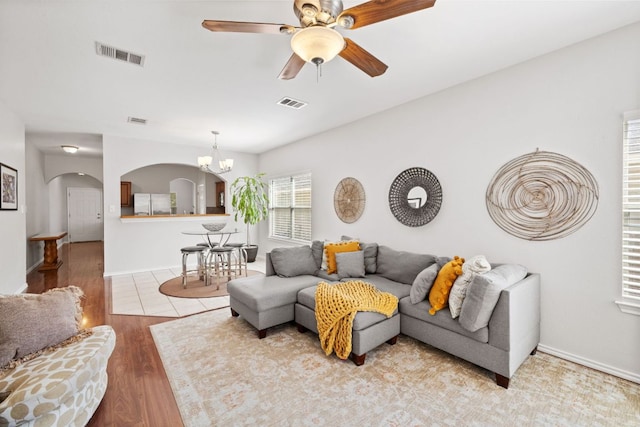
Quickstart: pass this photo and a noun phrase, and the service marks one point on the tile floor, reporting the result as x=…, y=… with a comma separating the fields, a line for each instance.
x=138, y=294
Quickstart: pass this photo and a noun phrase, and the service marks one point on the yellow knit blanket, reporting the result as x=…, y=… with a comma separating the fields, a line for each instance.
x=337, y=306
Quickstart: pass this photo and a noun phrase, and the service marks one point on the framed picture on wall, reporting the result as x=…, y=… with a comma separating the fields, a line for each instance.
x=8, y=188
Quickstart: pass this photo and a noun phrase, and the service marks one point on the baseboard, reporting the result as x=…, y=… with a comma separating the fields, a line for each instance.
x=36, y=265
x=590, y=363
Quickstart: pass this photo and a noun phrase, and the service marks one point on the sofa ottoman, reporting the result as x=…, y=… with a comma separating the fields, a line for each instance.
x=369, y=329
x=266, y=301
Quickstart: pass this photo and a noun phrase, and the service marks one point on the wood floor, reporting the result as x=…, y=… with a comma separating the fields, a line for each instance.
x=138, y=393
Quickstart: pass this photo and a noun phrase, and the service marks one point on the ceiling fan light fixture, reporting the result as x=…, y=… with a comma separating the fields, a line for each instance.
x=317, y=44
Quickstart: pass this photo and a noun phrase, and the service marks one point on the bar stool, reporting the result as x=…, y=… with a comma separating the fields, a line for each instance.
x=188, y=250
x=219, y=261
x=240, y=255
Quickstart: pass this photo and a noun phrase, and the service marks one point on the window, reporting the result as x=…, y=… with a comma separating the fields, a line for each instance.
x=631, y=215
x=290, y=210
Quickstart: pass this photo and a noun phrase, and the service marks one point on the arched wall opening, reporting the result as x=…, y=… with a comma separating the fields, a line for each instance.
x=188, y=189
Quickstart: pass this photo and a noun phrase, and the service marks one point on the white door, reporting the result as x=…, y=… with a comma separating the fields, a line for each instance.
x=84, y=209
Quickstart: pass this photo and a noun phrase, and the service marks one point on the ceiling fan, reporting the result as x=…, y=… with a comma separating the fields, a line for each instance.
x=317, y=41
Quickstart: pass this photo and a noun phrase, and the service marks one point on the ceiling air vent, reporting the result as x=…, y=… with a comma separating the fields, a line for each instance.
x=137, y=120
x=122, y=55
x=292, y=103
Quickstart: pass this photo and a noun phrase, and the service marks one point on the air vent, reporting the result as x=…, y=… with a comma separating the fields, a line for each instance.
x=292, y=103
x=119, y=54
x=137, y=120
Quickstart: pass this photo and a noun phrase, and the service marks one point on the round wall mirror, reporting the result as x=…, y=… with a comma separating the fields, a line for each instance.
x=415, y=197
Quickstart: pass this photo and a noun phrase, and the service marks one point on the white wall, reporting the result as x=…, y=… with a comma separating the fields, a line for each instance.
x=147, y=244
x=13, y=223
x=570, y=102
x=60, y=164
x=37, y=200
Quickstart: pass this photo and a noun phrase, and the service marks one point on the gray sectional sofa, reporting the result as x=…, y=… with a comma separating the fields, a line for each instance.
x=498, y=327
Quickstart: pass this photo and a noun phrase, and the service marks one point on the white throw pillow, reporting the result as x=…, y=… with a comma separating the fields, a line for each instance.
x=476, y=265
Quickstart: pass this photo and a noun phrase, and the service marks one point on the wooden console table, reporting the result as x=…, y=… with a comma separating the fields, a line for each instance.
x=51, y=261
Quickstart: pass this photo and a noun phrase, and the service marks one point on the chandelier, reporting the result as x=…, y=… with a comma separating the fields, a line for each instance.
x=224, y=165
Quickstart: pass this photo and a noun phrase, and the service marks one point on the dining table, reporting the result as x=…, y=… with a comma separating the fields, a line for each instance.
x=209, y=237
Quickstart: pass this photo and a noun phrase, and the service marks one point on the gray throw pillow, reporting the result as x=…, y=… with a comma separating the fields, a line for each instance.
x=317, y=248
x=484, y=292
x=401, y=266
x=295, y=261
x=32, y=322
x=422, y=285
x=350, y=264
x=370, y=254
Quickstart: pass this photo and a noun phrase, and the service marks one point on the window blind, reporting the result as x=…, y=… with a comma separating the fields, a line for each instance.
x=631, y=209
x=290, y=216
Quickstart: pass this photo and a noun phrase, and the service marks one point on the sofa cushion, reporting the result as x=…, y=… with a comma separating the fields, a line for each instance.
x=398, y=289
x=424, y=280
x=363, y=319
x=401, y=266
x=295, y=261
x=262, y=293
x=322, y=274
x=32, y=322
x=484, y=292
x=350, y=264
x=442, y=319
x=332, y=248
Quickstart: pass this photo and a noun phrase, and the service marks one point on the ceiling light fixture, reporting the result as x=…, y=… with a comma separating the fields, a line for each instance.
x=204, y=162
x=317, y=44
x=71, y=149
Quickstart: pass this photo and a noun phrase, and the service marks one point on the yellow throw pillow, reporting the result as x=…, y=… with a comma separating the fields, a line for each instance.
x=331, y=249
x=439, y=293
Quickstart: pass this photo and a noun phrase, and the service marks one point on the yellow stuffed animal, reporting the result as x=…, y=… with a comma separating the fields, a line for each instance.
x=439, y=293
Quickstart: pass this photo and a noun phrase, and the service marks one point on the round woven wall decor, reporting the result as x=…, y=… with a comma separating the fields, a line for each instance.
x=542, y=196
x=349, y=200
x=411, y=212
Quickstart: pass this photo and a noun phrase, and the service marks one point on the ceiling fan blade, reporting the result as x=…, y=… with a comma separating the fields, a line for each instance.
x=362, y=59
x=292, y=67
x=379, y=10
x=247, y=27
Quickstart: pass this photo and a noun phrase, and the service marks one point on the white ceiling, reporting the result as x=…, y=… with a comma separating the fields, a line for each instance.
x=194, y=81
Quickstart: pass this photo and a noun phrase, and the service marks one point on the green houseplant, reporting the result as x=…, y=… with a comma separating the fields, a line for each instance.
x=250, y=201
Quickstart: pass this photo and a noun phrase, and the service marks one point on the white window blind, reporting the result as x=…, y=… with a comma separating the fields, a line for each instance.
x=290, y=210
x=631, y=210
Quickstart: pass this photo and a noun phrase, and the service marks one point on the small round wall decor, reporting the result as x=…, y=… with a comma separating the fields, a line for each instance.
x=415, y=197
x=349, y=200
x=542, y=196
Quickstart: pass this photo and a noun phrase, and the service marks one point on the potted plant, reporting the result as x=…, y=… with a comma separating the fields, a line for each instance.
x=250, y=201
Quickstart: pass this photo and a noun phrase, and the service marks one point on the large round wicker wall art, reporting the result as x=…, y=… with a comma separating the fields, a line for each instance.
x=542, y=196
x=415, y=197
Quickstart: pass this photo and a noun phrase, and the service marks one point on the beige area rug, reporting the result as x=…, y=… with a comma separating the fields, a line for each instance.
x=222, y=374
x=196, y=288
